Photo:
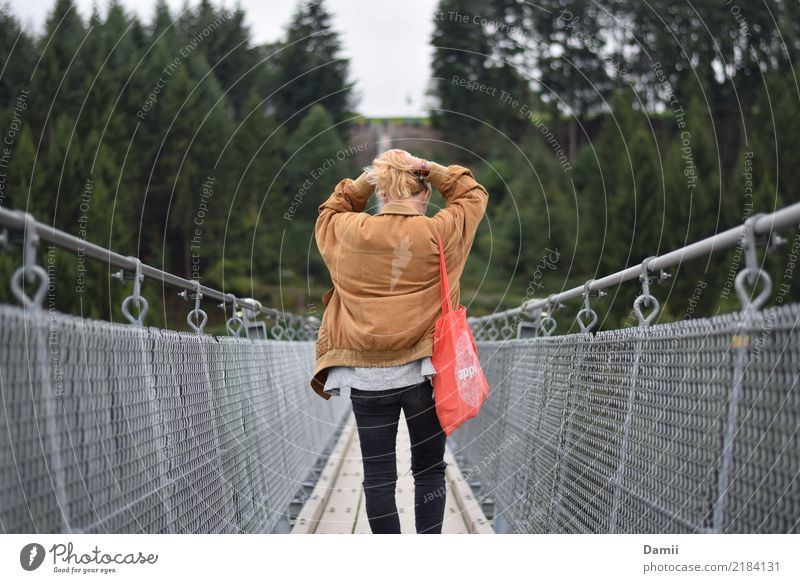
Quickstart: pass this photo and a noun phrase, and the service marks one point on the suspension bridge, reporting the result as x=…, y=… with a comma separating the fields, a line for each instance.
x=117, y=427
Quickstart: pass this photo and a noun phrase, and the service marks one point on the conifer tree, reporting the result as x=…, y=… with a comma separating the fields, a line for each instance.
x=59, y=80
x=316, y=161
x=478, y=74
x=17, y=57
x=311, y=70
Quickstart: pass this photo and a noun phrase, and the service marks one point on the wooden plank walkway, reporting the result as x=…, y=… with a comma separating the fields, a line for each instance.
x=336, y=506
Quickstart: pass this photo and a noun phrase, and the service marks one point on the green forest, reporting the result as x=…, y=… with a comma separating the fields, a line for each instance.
x=605, y=132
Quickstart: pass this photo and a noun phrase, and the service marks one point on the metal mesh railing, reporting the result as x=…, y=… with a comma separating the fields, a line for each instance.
x=684, y=427
x=114, y=428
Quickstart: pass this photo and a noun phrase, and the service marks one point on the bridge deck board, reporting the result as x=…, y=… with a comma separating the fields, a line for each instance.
x=336, y=506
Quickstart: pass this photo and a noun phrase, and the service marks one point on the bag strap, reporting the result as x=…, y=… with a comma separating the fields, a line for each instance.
x=445, y=285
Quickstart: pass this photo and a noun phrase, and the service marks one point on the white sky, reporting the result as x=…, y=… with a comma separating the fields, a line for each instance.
x=388, y=42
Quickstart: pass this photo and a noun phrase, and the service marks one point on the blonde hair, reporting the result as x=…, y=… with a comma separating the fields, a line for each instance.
x=393, y=177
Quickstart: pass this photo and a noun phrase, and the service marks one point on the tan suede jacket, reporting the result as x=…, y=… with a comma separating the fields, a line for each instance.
x=385, y=299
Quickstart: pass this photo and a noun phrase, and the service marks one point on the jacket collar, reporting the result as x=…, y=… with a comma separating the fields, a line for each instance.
x=397, y=208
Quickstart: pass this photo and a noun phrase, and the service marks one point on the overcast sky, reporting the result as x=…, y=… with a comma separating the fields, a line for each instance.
x=388, y=42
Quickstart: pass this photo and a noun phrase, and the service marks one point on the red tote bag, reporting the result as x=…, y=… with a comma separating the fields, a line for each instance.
x=459, y=386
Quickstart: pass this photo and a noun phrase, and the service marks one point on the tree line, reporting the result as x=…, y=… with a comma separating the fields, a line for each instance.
x=612, y=131
x=605, y=133
x=179, y=141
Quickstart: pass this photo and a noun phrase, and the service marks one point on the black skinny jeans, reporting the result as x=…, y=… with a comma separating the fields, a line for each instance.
x=377, y=415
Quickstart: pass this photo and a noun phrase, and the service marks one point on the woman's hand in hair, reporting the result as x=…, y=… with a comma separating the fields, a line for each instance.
x=415, y=162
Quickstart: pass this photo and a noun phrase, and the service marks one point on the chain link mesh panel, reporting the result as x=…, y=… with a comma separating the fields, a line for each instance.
x=111, y=428
x=684, y=427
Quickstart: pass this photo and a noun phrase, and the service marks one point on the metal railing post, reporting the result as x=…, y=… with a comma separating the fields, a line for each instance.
x=741, y=345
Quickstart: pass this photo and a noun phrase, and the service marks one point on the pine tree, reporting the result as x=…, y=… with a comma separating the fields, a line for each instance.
x=765, y=175
x=695, y=206
x=60, y=77
x=311, y=70
x=570, y=53
x=17, y=58
x=223, y=38
x=259, y=196
x=478, y=82
x=606, y=187
x=775, y=141
x=316, y=162
x=531, y=217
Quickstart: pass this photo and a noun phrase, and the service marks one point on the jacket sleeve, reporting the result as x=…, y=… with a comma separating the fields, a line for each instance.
x=465, y=203
x=349, y=197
